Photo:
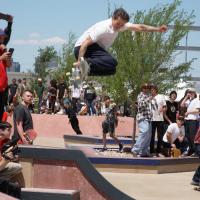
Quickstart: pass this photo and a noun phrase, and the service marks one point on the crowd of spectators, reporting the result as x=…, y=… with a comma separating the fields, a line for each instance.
x=49, y=97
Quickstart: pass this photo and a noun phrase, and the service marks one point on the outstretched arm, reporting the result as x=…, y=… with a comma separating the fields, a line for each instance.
x=147, y=28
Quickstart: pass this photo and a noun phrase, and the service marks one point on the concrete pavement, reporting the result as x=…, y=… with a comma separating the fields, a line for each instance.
x=173, y=186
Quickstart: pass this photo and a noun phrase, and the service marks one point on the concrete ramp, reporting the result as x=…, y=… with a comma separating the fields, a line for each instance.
x=66, y=169
x=57, y=125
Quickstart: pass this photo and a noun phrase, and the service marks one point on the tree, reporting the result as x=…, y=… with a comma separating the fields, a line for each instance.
x=42, y=61
x=66, y=59
x=149, y=57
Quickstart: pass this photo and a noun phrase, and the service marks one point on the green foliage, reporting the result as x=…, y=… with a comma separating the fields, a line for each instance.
x=66, y=59
x=149, y=57
x=42, y=61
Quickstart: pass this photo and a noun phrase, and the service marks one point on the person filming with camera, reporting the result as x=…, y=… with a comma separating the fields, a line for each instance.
x=5, y=61
x=8, y=168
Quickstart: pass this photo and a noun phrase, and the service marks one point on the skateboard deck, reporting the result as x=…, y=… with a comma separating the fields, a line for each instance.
x=30, y=136
x=76, y=77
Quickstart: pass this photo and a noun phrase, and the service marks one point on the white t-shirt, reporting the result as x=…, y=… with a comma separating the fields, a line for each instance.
x=157, y=103
x=175, y=132
x=191, y=106
x=76, y=92
x=102, y=33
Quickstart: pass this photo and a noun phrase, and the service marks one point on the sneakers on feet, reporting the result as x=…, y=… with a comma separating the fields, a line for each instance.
x=194, y=155
x=120, y=147
x=195, y=183
x=134, y=153
x=85, y=69
x=184, y=154
x=104, y=149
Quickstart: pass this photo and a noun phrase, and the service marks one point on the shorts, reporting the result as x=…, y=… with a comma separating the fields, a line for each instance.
x=108, y=127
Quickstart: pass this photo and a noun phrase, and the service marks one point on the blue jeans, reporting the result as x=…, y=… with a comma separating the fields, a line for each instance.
x=101, y=62
x=90, y=106
x=143, y=141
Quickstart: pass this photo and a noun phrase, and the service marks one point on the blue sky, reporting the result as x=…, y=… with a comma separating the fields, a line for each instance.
x=38, y=23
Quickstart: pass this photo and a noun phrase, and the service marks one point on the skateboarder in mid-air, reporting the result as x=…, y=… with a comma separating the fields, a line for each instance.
x=91, y=48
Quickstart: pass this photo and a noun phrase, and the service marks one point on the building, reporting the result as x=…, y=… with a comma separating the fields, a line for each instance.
x=18, y=75
x=15, y=67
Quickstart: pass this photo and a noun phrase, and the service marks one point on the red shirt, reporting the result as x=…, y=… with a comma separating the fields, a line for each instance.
x=3, y=77
x=5, y=117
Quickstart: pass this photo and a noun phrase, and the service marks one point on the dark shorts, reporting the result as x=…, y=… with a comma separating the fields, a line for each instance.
x=108, y=127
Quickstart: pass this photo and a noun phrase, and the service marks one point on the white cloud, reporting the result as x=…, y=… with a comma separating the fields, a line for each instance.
x=48, y=41
x=34, y=35
x=53, y=40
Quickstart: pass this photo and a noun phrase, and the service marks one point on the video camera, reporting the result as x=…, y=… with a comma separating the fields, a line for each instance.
x=10, y=146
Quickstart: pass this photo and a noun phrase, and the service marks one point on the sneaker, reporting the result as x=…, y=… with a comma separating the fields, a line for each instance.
x=134, y=154
x=104, y=149
x=144, y=155
x=159, y=155
x=85, y=69
x=184, y=154
x=120, y=147
x=194, y=155
x=195, y=183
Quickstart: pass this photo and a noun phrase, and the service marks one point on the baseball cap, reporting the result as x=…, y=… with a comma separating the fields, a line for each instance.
x=192, y=90
x=2, y=33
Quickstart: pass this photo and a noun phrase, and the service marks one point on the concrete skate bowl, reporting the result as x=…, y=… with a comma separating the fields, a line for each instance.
x=57, y=125
x=65, y=169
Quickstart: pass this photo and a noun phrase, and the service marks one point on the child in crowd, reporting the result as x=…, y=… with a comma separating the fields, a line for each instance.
x=110, y=123
x=7, y=113
x=72, y=116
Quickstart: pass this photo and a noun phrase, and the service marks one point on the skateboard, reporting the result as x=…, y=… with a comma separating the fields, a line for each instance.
x=76, y=77
x=30, y=136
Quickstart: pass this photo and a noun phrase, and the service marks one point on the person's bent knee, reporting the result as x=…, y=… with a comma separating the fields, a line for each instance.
x=16, y=167
x=115, y=63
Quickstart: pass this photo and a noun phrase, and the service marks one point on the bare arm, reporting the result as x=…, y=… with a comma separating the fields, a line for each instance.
x=147, y=28
x=21, y=131
x=169, y=137
x=166, y=117
x=195, y=111
x=84, y=47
